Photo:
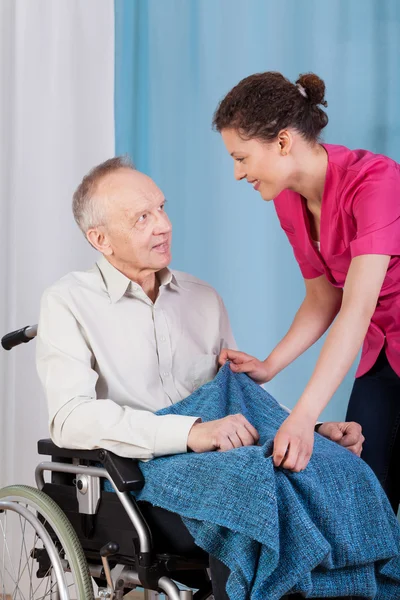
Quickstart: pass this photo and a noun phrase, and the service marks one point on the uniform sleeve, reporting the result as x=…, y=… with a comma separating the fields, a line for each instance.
x=78, y=418
x=376, y=212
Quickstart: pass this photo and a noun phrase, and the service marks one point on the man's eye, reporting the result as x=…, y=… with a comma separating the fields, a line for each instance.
x=240, y=160
x=142, y=218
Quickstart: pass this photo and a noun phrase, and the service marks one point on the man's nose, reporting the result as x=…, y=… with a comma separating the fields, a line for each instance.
x=239, y=172
x=163, y=224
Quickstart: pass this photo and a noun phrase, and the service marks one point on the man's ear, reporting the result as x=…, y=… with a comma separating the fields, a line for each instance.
x=98, y=238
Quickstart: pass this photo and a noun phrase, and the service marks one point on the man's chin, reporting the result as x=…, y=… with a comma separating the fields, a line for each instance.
x=164, y=260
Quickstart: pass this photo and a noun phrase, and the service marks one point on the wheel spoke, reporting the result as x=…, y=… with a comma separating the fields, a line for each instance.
x=4, y=554
x=29, y=558
x=23, y=540
x=5, y=547
x=17, y=588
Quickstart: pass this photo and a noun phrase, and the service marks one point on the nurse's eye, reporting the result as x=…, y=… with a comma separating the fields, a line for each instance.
x=239, y=159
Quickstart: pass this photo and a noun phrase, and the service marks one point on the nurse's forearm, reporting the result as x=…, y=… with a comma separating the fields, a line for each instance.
x=311, y=321
x=337, y=355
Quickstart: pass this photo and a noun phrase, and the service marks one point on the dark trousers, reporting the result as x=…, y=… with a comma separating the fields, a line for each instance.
x=375, y=404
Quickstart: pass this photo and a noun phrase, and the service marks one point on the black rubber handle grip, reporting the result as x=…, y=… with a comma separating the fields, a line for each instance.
x=109, y=549
x=10, y=340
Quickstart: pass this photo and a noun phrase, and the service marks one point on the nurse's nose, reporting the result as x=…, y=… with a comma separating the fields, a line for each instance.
x=238, y=171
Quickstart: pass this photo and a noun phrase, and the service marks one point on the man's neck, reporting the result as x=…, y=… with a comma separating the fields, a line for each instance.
x=147, y=280
x=151, y=288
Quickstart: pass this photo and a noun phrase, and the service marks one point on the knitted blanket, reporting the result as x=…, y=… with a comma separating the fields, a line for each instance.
x=327, y=531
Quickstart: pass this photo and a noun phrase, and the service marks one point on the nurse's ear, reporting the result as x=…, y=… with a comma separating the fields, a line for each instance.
x=285, y=142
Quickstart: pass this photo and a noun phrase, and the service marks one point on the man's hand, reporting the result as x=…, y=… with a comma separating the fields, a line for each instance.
x=245, y=363
x=224, y=434
x=347, y=434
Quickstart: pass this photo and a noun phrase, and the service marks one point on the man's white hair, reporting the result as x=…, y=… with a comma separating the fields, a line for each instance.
x=89, y=210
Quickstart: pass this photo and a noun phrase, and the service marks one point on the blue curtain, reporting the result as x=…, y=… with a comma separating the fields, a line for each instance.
x=175, y=59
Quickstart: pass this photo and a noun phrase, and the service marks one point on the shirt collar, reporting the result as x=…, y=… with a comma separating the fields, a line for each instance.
x=117, y=284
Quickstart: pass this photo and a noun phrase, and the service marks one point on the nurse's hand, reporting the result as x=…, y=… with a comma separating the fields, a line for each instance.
x=245, y=363
x=293, y=443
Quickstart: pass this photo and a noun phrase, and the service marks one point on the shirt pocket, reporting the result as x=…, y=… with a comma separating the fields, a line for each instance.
x=205, y=368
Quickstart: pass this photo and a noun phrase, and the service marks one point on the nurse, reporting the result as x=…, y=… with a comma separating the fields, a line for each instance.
x=340, y=210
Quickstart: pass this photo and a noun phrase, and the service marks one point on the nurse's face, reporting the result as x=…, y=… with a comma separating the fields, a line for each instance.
x=265, y=165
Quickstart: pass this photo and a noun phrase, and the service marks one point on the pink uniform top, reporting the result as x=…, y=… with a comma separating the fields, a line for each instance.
x=360, y=214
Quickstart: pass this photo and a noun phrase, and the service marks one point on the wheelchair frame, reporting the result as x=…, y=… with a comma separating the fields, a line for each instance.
x=121, y=571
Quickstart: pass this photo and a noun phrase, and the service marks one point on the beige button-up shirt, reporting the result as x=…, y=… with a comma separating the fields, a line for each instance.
x=108, y=358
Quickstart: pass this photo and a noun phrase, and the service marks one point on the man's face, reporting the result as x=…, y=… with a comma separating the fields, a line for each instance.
x=137, y=228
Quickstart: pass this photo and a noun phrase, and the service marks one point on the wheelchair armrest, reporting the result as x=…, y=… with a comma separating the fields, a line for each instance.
x=124, y=472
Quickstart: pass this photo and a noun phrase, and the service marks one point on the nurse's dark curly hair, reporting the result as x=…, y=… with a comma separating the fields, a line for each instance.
x=261, y=105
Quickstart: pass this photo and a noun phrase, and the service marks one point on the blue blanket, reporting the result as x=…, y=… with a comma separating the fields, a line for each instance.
x=327, y=531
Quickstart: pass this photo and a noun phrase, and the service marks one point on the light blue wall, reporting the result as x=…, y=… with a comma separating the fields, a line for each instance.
x=175, y=59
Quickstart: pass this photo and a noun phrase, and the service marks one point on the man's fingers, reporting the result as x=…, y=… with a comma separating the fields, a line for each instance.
x=252, y=430
x=356, y=449
x=246, y=437
x=336, y=435
x=235, y=439
x=225, y=444
x=350, y=439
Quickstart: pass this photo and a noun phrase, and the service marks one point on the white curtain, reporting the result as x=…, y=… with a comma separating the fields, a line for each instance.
x=56, y=121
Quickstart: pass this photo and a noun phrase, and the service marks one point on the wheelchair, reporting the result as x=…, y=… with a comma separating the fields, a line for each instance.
x=69, y=539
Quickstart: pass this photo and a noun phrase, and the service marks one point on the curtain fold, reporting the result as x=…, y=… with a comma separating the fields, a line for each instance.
x=57, y=121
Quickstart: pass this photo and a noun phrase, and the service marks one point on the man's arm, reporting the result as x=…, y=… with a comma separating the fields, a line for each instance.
x=227, y=339
x=78, y=419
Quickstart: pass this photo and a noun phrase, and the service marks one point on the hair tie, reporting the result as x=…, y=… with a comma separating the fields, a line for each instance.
x=301, y=90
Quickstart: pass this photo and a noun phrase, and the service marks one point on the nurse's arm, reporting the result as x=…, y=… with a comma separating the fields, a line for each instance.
x=360, y=296
x=319, y=308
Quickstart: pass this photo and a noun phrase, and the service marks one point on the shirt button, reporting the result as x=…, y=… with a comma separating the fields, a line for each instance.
x=166, y=374
x=162, y=338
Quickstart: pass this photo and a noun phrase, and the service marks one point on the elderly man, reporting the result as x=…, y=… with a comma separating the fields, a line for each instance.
x=129, y=336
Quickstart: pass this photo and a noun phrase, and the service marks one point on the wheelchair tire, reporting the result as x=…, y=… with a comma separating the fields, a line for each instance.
x=67, y=543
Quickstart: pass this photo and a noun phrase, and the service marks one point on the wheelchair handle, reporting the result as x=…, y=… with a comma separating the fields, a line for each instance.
x=109, y=549
x=20, y=336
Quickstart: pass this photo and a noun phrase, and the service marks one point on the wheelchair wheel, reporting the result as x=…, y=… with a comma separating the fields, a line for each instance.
x=40, y=554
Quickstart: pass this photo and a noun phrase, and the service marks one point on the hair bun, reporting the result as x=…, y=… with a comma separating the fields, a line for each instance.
x=314, y=88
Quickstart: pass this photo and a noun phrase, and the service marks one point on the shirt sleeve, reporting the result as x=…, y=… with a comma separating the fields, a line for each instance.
x=376, y=211
x=78, y=418
x=227, y=339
